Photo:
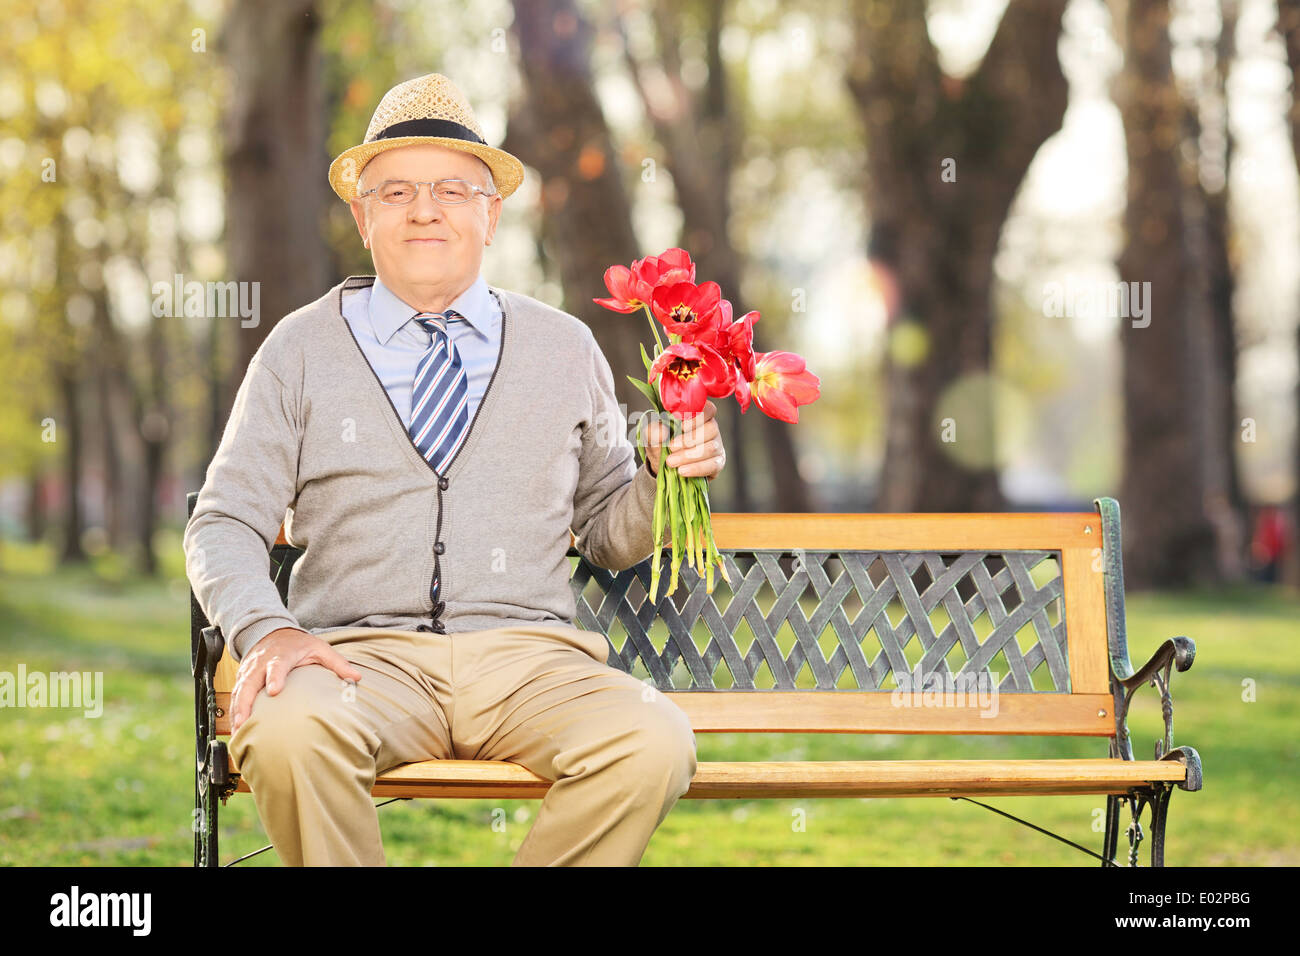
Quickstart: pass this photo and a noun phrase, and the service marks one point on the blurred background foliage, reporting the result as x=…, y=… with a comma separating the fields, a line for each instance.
x=930, y=201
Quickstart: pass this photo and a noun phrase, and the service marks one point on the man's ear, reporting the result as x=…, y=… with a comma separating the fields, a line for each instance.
x=494, y=214
x=359, y=214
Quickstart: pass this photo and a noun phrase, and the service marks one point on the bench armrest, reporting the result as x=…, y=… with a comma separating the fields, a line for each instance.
x=1180, y=650
x=206, y=651
x=210, y=752
x=1177, y=652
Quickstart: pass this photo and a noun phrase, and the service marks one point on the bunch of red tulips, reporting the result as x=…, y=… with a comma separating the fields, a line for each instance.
x=708, y=355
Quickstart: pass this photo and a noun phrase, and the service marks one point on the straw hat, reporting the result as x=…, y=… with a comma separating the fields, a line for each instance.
x=428, y=109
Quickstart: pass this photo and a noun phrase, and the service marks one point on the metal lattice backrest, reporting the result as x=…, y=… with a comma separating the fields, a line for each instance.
x=849, y=620
x=995, y=615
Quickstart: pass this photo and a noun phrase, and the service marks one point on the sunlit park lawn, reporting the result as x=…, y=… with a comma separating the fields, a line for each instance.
x=117, y=789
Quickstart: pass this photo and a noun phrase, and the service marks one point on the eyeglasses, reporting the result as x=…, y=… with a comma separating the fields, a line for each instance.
x=447, y=192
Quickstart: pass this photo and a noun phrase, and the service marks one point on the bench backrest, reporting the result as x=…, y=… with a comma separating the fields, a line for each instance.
x=867, y=623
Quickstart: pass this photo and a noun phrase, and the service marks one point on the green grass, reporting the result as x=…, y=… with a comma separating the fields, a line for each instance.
x=117, y=790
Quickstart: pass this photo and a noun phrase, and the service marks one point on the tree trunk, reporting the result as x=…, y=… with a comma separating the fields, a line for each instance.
x=1168, y=538
x=1225, y=502
x=1288, y=25
x=70, y=435
x=559, y=130
x=35, y=514
x=69, y=369
x=107, y=444
x=944, y=161
x=275, y=163
x=155, y=433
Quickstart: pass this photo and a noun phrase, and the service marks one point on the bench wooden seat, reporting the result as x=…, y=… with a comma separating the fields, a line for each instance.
x=1018, y=617
x=499, y=779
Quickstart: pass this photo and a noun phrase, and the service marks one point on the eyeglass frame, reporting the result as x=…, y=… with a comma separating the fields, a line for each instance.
x=424, y=182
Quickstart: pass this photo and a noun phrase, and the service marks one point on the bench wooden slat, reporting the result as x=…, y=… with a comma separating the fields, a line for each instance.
x=872, y=712
x=931, y=531
x=1085, y=616
x=499, y=779
x=937, y=531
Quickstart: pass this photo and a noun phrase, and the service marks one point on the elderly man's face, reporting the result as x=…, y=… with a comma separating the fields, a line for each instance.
x=437, y=270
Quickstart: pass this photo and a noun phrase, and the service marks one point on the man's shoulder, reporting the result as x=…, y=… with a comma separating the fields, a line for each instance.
x=288, y=341
x=540, y=318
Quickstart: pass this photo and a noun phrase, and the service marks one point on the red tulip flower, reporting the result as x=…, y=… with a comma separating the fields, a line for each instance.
x=689, y=310
x=740, y=339
x=689, y=374
x=627, y=290
x=675, y=265
x=630, y=289
x=782, y=383
x=742, y=393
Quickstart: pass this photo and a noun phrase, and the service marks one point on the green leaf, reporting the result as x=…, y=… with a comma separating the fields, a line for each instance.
x=646, y=389
x=645, y=358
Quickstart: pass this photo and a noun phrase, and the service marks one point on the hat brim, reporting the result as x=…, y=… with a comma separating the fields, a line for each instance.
x=507, y=171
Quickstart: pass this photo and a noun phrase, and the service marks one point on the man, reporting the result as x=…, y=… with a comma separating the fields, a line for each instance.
x=434, y=440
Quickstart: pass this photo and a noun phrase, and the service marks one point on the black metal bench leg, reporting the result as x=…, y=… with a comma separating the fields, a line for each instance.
x=210, y=767
x=207, y=805
x=1111, y=840
x=196, y=823
x=1159, y=812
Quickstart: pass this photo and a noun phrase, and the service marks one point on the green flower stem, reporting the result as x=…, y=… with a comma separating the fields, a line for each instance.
x=675, y=509
x=688, y=495
x=712, y=551
x=714, y=554
x=688, y=512
x=654, y=327
x=661, y=489
x=704, y=517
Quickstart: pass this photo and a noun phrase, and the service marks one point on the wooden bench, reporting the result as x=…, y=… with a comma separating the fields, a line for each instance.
x=846, y=623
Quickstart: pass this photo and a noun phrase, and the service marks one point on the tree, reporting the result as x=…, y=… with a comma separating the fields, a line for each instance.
x=1288, y=24
x=275, y=163
x=1168, y=537
x=944, y=160
x=558, y=128
x=1209, y=243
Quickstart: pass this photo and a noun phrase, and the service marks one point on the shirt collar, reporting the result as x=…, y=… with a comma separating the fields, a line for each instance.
x=388, y=313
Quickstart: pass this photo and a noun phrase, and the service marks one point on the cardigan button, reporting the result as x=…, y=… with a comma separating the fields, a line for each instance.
x=439, y=548
x=443, y=483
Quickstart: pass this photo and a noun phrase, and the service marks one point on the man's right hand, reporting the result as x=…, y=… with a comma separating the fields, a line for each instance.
x=269, y=662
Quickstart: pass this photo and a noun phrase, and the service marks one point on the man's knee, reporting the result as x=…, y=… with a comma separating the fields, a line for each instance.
x=305, y=722
x=666, y=744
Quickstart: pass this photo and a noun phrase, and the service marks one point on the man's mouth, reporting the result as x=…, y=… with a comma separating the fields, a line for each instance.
x=426, y=241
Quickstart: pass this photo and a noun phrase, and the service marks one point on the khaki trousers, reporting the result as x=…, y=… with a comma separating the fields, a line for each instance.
x=620, y=752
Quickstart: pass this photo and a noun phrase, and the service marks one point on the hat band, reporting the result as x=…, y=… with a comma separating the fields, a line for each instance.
x=431, y=127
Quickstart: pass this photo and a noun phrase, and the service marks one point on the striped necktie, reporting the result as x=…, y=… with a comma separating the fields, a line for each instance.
x=440, y=395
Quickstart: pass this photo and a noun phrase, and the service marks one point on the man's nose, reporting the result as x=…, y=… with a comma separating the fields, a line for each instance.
x=424, y=207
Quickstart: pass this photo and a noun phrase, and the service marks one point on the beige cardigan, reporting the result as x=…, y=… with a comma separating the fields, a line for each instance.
x=313, y=431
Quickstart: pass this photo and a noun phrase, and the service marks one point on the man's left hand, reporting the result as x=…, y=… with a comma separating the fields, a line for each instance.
x=696, y=452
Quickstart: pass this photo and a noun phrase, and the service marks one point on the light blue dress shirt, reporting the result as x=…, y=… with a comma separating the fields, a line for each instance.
x=394, y=344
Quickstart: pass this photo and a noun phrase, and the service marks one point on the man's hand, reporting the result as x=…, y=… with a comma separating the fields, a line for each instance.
x=269, y=662
x=696, y=451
